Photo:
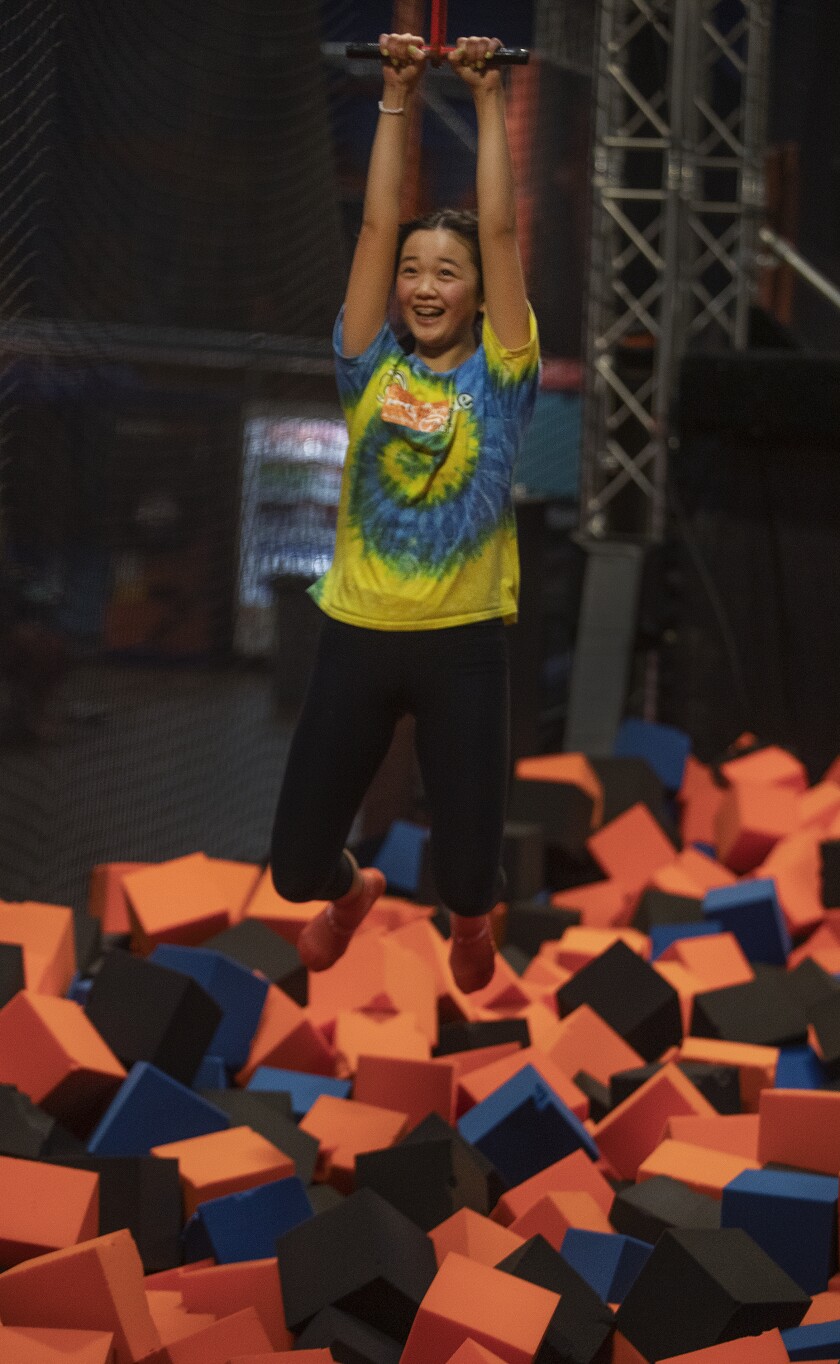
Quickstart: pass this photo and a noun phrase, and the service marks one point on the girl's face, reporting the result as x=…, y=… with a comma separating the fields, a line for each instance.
x=438, y=293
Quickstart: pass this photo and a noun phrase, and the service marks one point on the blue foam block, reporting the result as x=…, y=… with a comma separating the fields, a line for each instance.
x=792, y=1216
x=821, y=1340
x=799, y=1068
x=211, y=1074
x=751, y=911
x=663, y=935
x=245, y=1226
x=523, y=1126
x=80, y=987
x=302, y=1087
x=609, y=1262
x=401, y=855
x=150, y=1109
x=237, y=991
x=663, y=748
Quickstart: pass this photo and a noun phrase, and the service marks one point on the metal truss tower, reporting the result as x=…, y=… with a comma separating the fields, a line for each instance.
x=680, y=120
x=679, y=143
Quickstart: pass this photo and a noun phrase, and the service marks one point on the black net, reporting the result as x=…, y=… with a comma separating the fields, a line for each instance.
x=180, y=189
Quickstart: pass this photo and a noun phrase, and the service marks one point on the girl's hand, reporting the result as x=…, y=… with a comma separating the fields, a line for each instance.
x=405, y=59
x=473, y=60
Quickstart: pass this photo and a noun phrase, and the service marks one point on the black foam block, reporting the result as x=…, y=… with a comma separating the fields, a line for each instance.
x=628, y=782
x=830, y=872
x=600, y=1099
x=142, y=1193
x=523, y=859
x=270, y=1114
x=516, y=959
x=563, y=811
x=825, y=1019
x=427, y=1180
x=88, y=934
x=807, y=985
x=581, y=1326
x=349, y=1340
x=719, y=1084
x=469, y=1036
x=760, y=1011
x=661, y=907
x=435, y=1128
x=253, y=944
x=700, y=1288
x=25, y=1129
x=629, y=995
x=147, y=1012
x=12, y=978
x=362, y=1256
x=661, y=1204
x=531, y=923
x=323, y=1197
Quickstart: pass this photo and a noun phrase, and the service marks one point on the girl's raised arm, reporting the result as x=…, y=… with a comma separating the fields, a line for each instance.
x=372, y=271
x=505, y=299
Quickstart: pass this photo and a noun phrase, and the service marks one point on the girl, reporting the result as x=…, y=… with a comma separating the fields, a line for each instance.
x=425, y=573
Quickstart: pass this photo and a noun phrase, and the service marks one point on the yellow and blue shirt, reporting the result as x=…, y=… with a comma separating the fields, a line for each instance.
x=426, y=535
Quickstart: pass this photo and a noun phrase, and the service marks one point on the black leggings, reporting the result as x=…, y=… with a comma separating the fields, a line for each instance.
x=454, y=681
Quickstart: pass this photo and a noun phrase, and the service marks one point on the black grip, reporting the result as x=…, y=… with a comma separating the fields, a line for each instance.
x=505, y=56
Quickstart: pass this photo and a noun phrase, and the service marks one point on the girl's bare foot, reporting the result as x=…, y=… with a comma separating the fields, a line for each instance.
x=326, y=937
x=472, y=956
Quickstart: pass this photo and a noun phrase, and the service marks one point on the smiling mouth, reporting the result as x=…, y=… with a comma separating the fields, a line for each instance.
x=427, y=314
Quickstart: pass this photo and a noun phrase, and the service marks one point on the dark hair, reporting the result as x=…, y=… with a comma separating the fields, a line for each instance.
x=462, y=221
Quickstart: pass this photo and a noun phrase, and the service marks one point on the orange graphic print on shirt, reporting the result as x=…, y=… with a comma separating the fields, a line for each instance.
x=404, y=409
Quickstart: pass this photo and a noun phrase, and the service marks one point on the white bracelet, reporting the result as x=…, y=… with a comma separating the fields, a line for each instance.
x=384, y=110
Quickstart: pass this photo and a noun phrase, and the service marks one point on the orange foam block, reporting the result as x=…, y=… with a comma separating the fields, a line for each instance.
x=553, y=1214
x=823, y=947
x=48, y=1345
x=824, y=1307
x=587, y=1042
x=698, y=800
x=463, y=1062
x=795, y=866
x=631, y=1130
x=170, y=1316
x=766, y=765
x=226, y=1289
x=345, y=1128
x=631, y=848
x=716, y=959
x=107, y=900
x=544, y=1027
x=603, y=904
x=799, y=1127
x=819, y=806
x=391, y=913
x=214, y=1344
x=287, y=1038
x=575, y=1173
x=569, y=769
x=423, y=939
x=477, y=1237
x=507, y=993
x=44, y=1207
x=237, y=883
x=358, y=1033
x=579, y=946
x=700, y=1167
x=470, y=1301
x=378, y=977
x=768, y=1348
x=284, y=917
x=224, y=1163
x=752, y=818
x=471, y=1353
x=692, y=873
x=756, y=1065
x=45, y=934
x=415, y=1088
x=179, y=901
x=51, y=1051
x=686, y=984
x=479, y=1084
x=736, y=1133
x=97, y=1286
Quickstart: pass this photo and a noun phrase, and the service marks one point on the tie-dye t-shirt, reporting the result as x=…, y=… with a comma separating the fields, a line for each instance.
x=426, y=535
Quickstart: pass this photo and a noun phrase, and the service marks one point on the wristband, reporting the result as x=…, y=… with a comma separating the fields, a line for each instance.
x=384, y=110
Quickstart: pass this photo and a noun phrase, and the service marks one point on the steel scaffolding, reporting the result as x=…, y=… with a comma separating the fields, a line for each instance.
x=679, y=141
